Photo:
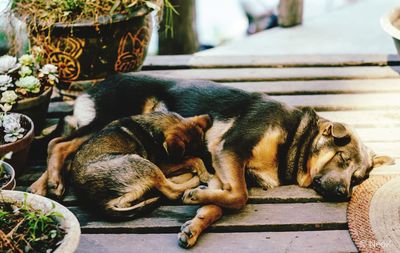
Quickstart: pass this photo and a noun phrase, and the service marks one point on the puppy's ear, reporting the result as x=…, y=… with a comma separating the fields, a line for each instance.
x=174, y=147
x=378, y=161
x=203, y=121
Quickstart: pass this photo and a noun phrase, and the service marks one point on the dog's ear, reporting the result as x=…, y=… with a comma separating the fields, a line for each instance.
x=174, y=147
x=335, y=129
x=204, y=122
x=378, y=161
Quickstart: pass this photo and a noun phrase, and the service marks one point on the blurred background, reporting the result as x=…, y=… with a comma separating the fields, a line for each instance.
x=251, y=27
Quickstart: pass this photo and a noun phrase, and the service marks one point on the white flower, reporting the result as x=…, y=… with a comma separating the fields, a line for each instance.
x=25, y=71
x=48, y=69
x=9, y=97
x=5, y=82
x=26, y=60
x=29, y=83
x=51, y=71
x=12, y=127
x=37, y=50
x=8, y=64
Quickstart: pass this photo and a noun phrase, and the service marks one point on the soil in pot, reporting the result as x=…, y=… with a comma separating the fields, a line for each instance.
x=24, y=229
x=4, y=178
x=7, y=176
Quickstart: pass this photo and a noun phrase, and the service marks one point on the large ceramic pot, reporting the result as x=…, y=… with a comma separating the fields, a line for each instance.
x=391, y=24
x=69, y=221
x=89, y=52
x=9, y=170
x=21, y=147
x=35, y=108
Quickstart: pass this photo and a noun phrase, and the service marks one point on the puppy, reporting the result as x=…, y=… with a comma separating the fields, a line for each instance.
x=132, y=156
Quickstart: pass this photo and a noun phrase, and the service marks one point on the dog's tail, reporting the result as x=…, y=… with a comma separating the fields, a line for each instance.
x=134, y=211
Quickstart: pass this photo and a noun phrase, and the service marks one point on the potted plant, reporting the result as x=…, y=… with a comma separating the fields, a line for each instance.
x=88, y=40
x=26, y=85
x=7, y=174
x=391, y=24
x=16, y=135
x=32, y=223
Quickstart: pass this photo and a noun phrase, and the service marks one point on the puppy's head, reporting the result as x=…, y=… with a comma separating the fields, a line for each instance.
x=187, y=137
x=339, y=161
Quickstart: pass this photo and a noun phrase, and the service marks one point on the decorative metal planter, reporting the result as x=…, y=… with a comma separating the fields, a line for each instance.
x=391, y=24
x=89, y=51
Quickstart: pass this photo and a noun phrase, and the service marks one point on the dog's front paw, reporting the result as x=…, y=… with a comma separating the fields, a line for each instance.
x=56, y=188
x=188, y=235
x=39, y=188
x=193, y=196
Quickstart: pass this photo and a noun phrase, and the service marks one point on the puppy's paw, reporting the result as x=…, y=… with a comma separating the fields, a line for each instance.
x=193, y=196
x=205, y=177
x=38, y=188
x=56, y=188
x=188, y=235
x=120, y=202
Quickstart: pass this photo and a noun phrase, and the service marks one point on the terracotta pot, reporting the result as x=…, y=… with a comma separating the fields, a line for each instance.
x=391, y=24
x=35, y=108
x=20, y=149
x=10, y=185
x=89, y=52
x=69, y=221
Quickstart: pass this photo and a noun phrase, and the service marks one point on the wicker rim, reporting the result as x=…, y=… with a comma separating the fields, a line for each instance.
x=358, y=214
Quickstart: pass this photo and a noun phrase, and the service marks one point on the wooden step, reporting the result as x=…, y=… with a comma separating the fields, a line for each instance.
x=282, y=74
x=344, y=101
x=253, y=218
x=272, y=61
x=319, y=86
x=288, y=242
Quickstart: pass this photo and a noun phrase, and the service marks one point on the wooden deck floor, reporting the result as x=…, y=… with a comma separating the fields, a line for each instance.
x=363, y=91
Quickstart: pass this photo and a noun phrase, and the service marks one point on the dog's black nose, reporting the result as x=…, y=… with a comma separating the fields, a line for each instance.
x=317, y=181
x=341, y=191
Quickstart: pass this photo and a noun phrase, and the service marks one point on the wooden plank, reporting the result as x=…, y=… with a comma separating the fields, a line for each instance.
x=387, y=134
x=365, y=118
x=60, y=109
x=344, y=101
x=253, y=218
x=272, y=61
x=282, y=74
x=319, y=86
x=390, y=149
x=301, y=242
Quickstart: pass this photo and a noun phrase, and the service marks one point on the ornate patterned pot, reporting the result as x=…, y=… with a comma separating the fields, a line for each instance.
x=89, y=51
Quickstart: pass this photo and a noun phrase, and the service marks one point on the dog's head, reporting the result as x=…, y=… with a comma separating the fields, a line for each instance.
x=187, y=137
x=339, y=160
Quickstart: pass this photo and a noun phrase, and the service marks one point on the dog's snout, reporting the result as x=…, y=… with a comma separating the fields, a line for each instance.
x=317, y=181
x=341, y=191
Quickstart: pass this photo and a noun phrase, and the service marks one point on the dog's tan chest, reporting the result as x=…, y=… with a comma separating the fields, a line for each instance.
x=263, y=164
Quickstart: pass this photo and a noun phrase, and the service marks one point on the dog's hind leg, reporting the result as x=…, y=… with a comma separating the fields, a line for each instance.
x=195, y=165
x=58, y=151
x=205, y=216
x=230, y=170
x=146, y=175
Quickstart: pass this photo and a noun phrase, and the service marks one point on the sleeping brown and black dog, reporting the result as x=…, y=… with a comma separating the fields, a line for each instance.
x=251, y=135
x=132, y=156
